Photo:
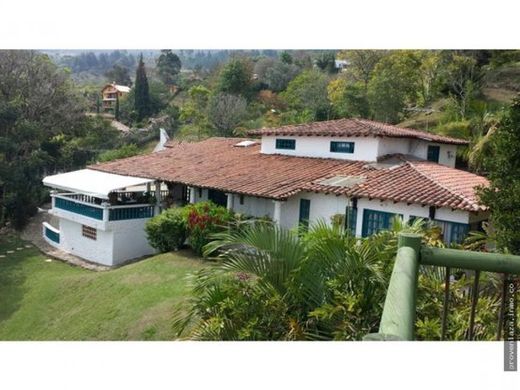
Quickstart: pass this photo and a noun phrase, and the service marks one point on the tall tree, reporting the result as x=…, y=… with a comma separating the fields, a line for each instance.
x=308, y=93
x=503, y=167
x=361, y=63
x=235, y=77
x=141, y=90
x=168, y=67
x=394, y=85
x=326, y=61
x=225, y=112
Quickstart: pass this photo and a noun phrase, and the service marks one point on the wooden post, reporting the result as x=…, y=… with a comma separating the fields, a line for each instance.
x=398, y=319
x=158, y=199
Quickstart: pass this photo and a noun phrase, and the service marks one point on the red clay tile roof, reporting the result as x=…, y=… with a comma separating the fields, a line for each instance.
x=216, y=163
x=355, y=128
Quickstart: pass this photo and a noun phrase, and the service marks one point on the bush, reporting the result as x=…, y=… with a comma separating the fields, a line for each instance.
x=168, y=230
x=123, y=152
x=204, y=219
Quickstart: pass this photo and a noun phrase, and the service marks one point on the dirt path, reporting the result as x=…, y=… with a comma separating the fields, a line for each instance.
x=33, y=233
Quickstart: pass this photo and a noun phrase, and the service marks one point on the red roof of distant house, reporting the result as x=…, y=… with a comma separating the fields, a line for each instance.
x=218, y=164
x=355, y=128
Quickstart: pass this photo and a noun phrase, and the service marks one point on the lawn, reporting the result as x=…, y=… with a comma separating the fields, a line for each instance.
x=42, y=300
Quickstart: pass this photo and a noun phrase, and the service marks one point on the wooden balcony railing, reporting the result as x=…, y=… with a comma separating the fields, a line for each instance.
x=398, y=318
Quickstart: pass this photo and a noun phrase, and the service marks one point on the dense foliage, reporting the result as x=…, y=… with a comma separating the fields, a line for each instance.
x=274, y=284
x=43, y=129
x=194, y=222
x=503, y=169
x=168, y=231
x=204, y=219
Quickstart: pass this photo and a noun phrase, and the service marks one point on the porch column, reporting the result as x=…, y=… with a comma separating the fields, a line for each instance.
x=230, y=201
x=158, y=199
x=277, y=214
x=148, y=188
x=192, y=195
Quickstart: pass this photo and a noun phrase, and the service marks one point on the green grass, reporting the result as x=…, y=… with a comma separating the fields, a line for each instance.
x=42, y=300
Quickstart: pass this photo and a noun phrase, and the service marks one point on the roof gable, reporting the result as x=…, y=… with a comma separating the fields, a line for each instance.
x=355, y=128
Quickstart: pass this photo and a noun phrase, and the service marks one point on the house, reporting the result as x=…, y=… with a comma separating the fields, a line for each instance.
x=111, y=92
x=341, y=65
x=365, y=171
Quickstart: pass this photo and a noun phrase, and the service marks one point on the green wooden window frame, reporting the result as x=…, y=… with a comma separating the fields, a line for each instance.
x=433, y=153
x=341, y=147
x=305, y=211
x=453, y=232
x=287, y=144
x=375, y=221
x=351, y=219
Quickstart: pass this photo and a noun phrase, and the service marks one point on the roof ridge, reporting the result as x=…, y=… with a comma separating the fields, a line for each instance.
x=410, y=163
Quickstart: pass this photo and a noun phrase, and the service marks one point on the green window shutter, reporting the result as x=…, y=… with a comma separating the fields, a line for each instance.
x=351, y=219
x=341, y=147
x=288, y=144
x=375, y=221
x=305, y=209
x=433, y=153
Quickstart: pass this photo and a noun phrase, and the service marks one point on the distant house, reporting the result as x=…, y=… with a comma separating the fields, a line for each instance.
x=341, y=65
x=110, y=93
x=363, y=171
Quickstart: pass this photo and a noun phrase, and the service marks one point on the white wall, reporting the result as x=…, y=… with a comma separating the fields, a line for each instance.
x=365, y=148
x=130, y=240
x=447, y=153
x=257, y=207
x=125, y=240
x=321, y=207
x=72, y=241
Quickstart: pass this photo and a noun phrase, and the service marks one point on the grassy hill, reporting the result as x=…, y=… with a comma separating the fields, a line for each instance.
x=51, y=300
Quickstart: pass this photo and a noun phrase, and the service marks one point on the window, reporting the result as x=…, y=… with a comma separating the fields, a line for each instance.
x=374, y=221
x=452, y=232
x=305, y=210
x=351, y=219
x=433, y=153
x=200, y=192
x=289, y=144
x=341, y=147
x=89, y=232
x=241, y=199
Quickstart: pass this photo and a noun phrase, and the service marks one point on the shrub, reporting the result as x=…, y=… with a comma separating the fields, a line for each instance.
x=168, y=230
x=204, y=219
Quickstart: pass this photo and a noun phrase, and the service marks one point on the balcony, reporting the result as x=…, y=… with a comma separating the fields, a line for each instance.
x=100, y=213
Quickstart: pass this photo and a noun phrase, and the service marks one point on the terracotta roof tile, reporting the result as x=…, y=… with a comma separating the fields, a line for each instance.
x=216, y=163
x=355, y=128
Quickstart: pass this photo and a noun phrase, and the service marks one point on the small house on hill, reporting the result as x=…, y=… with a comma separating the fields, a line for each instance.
x=110, y=93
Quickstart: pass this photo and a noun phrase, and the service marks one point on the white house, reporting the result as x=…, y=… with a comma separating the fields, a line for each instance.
x=366, y=171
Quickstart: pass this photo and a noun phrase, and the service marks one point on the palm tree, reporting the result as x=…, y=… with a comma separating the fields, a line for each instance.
x=303, y=272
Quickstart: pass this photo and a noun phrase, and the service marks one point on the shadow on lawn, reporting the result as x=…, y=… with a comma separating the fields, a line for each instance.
x=12, y=278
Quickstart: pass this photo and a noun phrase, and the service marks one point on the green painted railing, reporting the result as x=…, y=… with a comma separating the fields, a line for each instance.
x=138, y=212
x=398, y=318
x=79, y=208
x=52, y=235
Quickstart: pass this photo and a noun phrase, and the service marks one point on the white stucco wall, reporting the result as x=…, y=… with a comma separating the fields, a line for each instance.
x=125, y=240
x=130, y=240
x=365, y=148
x=257, y=207
x=99, y=251
x=321, y=207
x=447, y=153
